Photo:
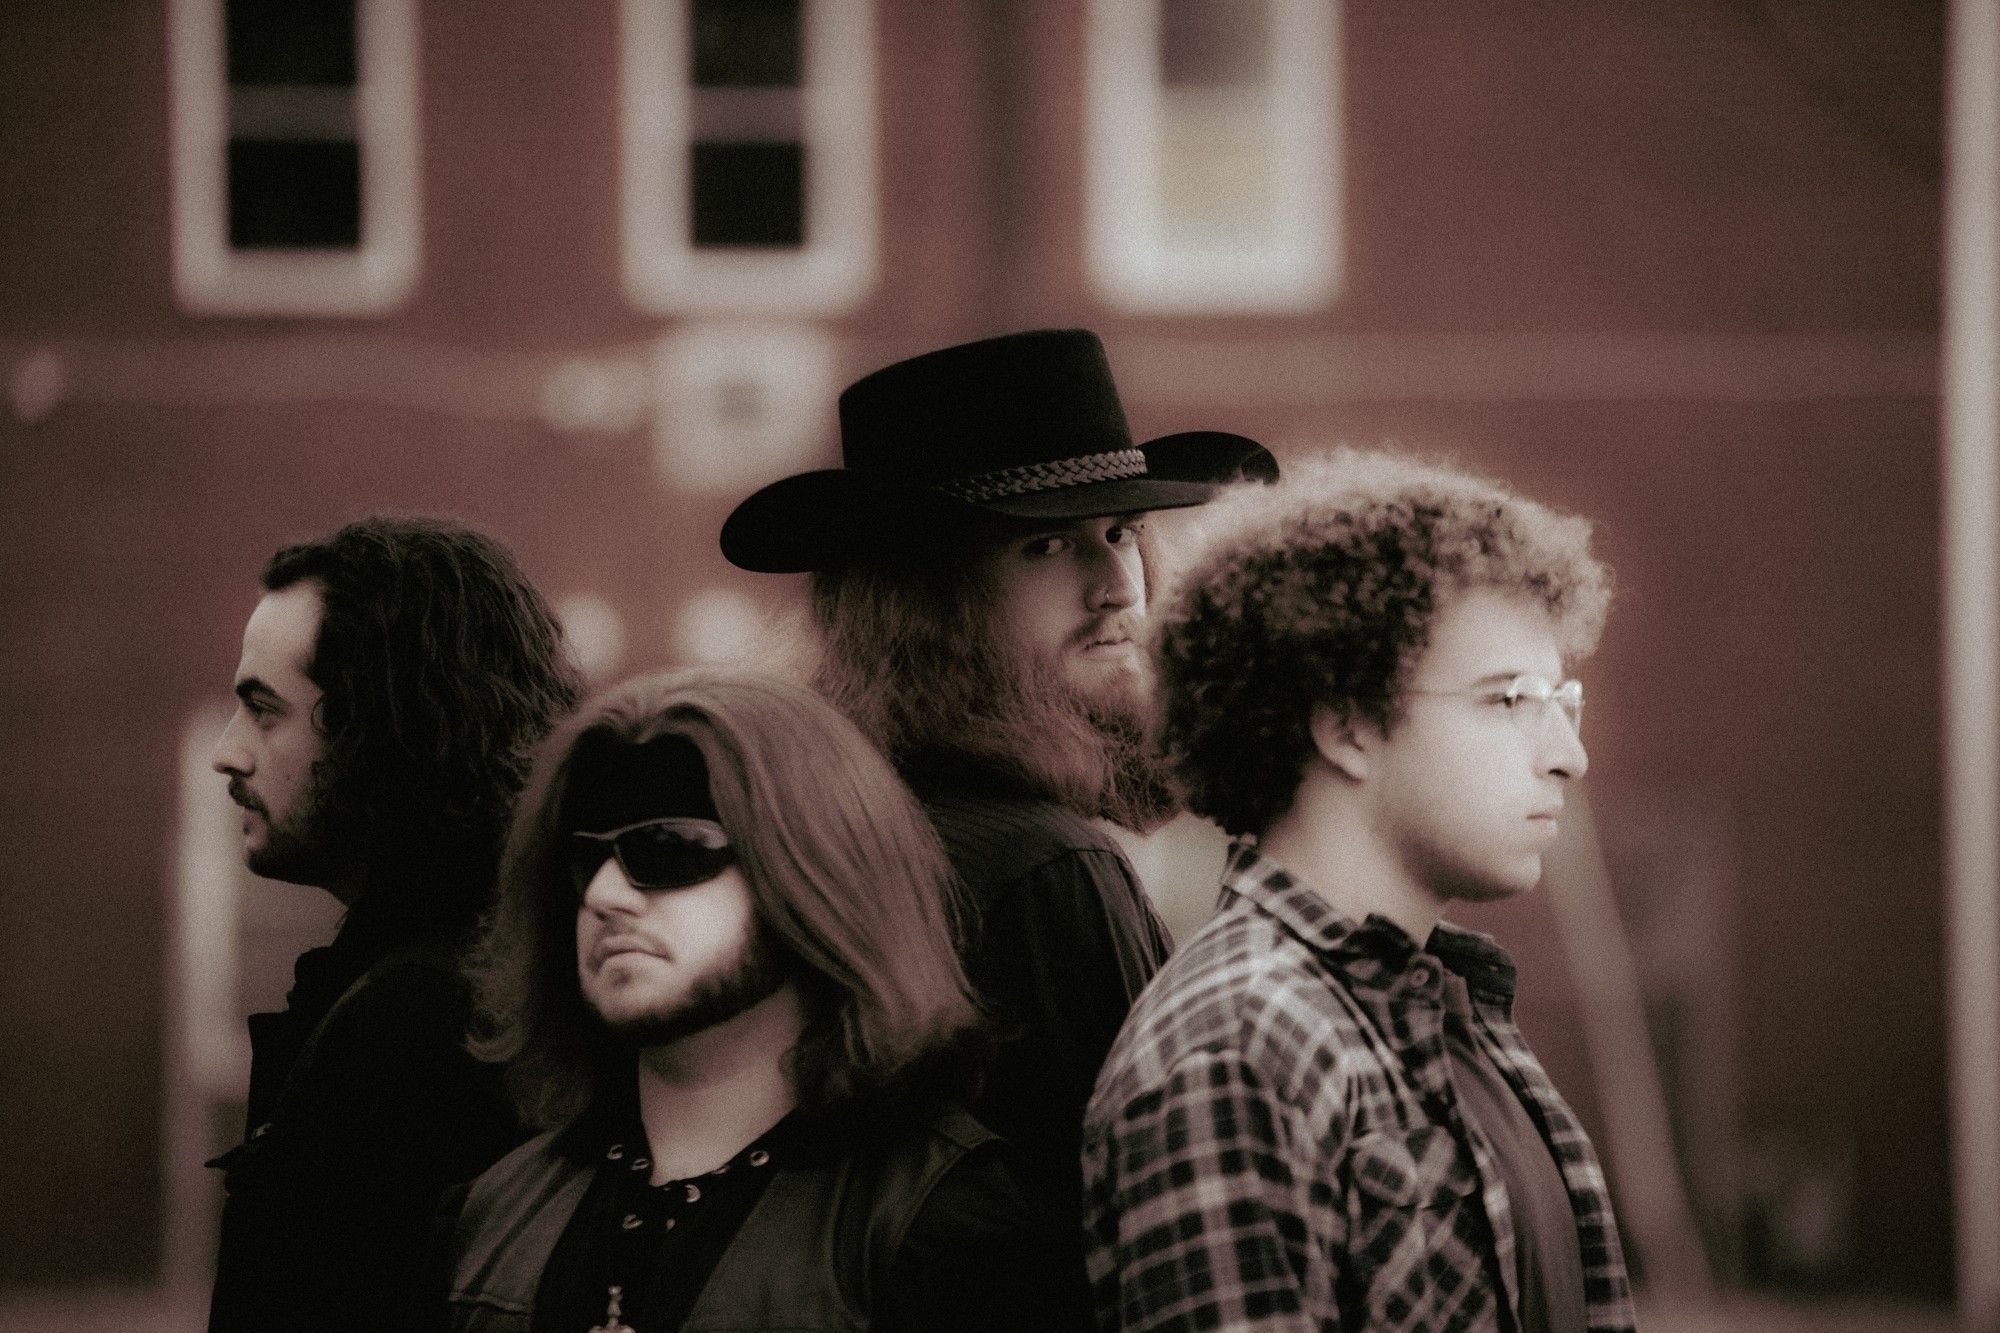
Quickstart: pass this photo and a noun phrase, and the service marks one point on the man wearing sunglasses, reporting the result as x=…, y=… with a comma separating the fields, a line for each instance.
x=1362, y=679
x=980, y=581
x=723, y=973
x=393, y=679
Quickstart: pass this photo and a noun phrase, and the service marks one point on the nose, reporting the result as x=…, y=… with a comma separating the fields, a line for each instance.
x=232, y=757
x=1116, y=576
x=1562, y=753
x=609, y=891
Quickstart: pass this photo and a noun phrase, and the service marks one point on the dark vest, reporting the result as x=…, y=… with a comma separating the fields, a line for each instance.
x=807, y=1258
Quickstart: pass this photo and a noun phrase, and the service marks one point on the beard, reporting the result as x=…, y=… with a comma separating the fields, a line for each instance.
x=298, y=849
x=1089, y=746
x=760, y=969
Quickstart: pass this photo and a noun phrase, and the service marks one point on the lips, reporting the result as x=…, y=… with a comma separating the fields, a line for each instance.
x=1114, y=631
x=612, y=945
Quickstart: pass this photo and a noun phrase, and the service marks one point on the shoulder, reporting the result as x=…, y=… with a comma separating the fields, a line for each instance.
x=414, y=992
x=998, y=839
x=539, y=1159
x=984, y=1251
x=399, y=1032
x=1243, y=994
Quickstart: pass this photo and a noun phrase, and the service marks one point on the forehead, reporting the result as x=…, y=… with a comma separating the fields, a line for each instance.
x=1484, y=632
x=279, y=638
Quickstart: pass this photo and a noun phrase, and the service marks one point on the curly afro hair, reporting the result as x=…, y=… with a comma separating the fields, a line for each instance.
x=1321, y=590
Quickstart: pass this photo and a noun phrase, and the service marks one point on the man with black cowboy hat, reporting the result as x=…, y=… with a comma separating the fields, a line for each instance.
x=980, y=583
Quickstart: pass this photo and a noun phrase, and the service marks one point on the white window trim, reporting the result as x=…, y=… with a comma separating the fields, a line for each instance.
x=836, y=268
x=212, y=278
x=1130, y=261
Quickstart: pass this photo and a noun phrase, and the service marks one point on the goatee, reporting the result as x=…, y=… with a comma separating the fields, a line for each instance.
x=759, y=971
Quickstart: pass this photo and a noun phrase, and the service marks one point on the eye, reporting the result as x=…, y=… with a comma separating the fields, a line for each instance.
x=1124, y=532
x=1047, y=544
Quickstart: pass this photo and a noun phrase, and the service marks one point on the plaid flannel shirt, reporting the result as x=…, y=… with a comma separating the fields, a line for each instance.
x=1274, y=1142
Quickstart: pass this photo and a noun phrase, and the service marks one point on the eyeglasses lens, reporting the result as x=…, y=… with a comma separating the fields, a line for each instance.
x=669, y=855
x=658, y=854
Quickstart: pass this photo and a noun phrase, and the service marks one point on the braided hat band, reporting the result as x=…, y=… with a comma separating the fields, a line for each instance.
x=1117, y=465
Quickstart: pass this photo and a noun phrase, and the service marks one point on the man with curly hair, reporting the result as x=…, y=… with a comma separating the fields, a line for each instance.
x=1321, y=1115
x=980, y=582
x=394, y=681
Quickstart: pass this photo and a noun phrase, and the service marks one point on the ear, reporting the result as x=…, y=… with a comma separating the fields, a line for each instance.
x=1344, y=743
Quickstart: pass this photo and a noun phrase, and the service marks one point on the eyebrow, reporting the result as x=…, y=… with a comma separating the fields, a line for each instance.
x=252, y=690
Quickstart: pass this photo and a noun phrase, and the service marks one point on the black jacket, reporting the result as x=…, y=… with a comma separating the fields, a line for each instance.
x=916, y=1224
x=363, y=1106
x=1064, y=939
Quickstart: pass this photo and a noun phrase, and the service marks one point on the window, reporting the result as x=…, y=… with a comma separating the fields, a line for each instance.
x=749, y=167
x=295, y=155
x=1212, y=175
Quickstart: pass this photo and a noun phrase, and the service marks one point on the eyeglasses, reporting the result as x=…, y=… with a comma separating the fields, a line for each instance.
x=1527, y=698
x=654, y=854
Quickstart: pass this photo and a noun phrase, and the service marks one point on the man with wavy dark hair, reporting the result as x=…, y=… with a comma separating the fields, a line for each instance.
x=395, y=678
x=1321, y=1113
x=981, y=568
x=723, y=974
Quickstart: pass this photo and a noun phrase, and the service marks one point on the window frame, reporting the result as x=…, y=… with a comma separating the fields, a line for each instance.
x=836, y=268
x=1131, y=262
x=211, y=276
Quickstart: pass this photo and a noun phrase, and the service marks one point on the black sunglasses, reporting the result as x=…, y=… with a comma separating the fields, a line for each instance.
x=654, y=854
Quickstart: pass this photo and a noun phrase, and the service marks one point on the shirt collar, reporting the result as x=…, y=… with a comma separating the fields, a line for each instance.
x=1372, y=952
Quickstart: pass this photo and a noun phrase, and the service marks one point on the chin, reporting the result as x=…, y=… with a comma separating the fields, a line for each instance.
x=1498, y=885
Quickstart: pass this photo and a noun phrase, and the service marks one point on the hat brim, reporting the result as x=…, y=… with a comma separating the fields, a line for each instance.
x=817, y=520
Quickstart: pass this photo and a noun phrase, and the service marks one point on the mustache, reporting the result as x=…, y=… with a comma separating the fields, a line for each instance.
x=241, y=795
x=1117, y=625
x=626, y=941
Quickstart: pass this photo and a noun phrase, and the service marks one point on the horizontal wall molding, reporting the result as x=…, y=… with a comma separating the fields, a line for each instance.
x=1321, y=371
x=1249, y=372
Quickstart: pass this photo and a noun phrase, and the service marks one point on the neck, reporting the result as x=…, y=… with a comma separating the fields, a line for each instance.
x=1327, y=840
x=706, y=1096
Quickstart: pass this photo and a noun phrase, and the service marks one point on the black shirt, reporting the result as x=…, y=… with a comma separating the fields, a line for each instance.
x=656, y=1244
x=1548, y=1262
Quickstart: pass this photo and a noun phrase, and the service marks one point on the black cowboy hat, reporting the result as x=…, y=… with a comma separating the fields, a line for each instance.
x=1026, y=426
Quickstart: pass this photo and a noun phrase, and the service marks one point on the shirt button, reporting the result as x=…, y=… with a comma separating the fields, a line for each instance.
x=694, y=1194
x=1420, y=976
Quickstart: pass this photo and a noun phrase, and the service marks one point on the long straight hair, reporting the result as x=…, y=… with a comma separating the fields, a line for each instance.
x=907, y=648
x=841, y=864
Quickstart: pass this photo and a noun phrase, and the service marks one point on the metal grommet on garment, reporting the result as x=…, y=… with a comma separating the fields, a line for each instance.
x=759, y=1157
x=614, y=1152
x=694, y=1194
x=641, y=1163
x=632, y=1221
